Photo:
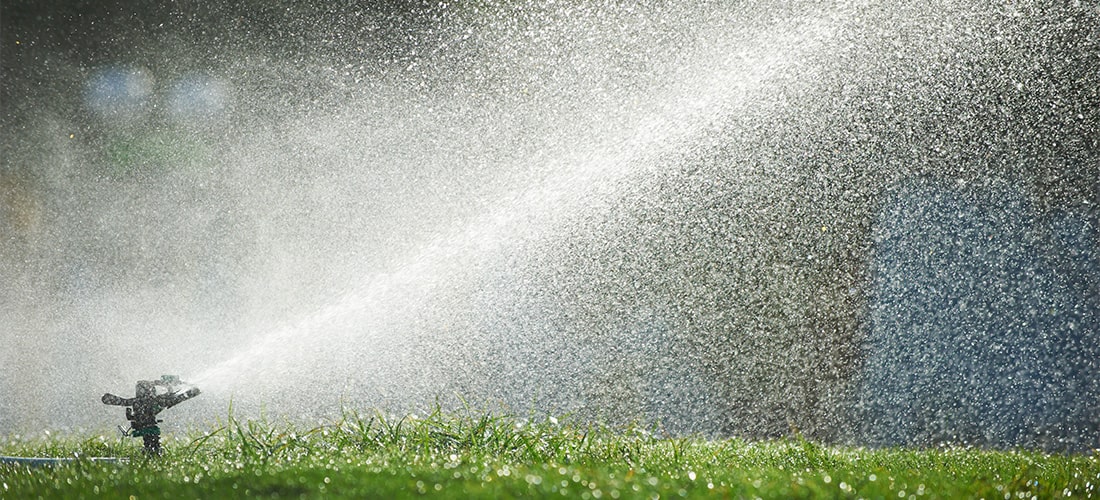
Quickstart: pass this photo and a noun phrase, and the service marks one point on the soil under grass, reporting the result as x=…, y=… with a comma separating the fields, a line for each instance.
x=486, y=456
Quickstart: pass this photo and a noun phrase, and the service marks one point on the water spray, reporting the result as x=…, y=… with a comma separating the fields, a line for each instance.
x=152, y=397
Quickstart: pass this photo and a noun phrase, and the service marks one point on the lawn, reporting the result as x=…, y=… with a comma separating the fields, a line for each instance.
x=473, y=455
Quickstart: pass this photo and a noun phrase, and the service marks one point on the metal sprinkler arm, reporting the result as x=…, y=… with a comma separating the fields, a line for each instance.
x=170, y=400
x=111, y=399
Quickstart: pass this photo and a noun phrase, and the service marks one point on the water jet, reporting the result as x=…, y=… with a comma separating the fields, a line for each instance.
x=555, y=208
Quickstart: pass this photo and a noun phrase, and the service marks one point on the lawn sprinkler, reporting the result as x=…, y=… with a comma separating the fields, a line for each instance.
x=153, y=396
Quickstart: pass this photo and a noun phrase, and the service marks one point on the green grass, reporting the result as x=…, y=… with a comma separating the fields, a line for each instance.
x=486, y=456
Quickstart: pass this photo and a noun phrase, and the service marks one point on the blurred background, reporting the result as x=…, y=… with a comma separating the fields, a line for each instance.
x=860, y=222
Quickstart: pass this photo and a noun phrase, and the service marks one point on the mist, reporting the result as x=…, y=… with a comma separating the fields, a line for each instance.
x=665, y=213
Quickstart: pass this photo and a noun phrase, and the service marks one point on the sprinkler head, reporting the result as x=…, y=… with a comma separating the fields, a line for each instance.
x=142, y=409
